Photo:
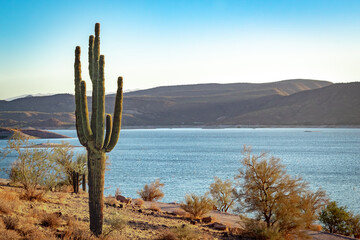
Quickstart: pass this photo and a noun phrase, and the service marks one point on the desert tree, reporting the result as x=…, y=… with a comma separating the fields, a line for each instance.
x=73, y=166
x=267, y=191
x=223, y=194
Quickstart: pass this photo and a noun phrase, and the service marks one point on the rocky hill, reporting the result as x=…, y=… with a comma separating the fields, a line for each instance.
x=289, y=102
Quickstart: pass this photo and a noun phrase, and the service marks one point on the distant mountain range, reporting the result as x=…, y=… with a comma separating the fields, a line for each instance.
x=290, y=102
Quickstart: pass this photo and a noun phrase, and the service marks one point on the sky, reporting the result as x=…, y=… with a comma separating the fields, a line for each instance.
x=173, y=42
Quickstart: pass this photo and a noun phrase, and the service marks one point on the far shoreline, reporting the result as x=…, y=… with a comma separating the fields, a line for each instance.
x=217, y=127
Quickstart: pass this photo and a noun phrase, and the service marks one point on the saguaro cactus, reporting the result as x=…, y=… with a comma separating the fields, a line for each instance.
x=91, y=135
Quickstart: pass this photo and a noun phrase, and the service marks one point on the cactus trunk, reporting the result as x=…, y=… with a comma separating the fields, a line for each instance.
x=96, y=161
x=91, y=135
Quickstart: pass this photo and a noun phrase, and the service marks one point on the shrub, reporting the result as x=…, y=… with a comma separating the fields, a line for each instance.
x=11, y=223
x=32, y=168
x=311, y=204
x=115, y=223
x=152, y=192
x=197, y=206
x=73, y=169
x=8, y=202
x=222, y=193
x=259, y=230
x=183, y=232
x=284, y=203
x=336, y=219
x=50, y=220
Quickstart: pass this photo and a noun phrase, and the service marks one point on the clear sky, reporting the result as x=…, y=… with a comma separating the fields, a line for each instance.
x=171, y=42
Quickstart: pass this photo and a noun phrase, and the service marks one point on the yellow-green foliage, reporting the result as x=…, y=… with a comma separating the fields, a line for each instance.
x=197, y=206
x=152, y=192
x=222, y=193
x=284, y=203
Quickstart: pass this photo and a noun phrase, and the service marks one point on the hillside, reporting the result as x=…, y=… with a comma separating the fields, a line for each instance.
x=7, y=133
x=289, y=102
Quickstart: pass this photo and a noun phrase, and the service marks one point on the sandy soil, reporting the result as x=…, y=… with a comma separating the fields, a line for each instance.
x=150, y=220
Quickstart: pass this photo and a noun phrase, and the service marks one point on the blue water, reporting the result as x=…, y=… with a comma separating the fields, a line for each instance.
x=186, y=160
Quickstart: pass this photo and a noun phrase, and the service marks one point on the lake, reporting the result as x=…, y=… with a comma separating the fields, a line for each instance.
x=186, y=160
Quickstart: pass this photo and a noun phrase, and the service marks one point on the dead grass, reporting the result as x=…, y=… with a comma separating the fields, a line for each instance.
x=9, y=235
x=111, y=201
x=138, y=202
x=35, y=220
x=183, y=232
x=9, y=202
x=154, y=207
x=51, y=220
x=11, y=222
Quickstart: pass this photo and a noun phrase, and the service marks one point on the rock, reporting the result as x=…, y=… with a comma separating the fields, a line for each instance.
x=140, y=211
x=120, y=206
x=193, y=222
x=219, y=226
x=123, y=199
x=208, y=219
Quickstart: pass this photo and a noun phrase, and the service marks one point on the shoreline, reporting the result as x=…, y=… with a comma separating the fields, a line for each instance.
x=216, y=127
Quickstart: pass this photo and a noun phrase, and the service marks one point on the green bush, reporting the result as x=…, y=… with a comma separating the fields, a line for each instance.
x=337, y=219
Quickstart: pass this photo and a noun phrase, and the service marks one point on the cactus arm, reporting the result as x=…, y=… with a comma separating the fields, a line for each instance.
x=100, y=114
x=84, y=112
x=117, y=116
x=91, y=55
x=77, y=69
x=108, y=129
x=95, y=73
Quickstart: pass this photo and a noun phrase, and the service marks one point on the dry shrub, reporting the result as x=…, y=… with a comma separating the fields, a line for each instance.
x=9, y=235
x=138, y=202
x=9, y=201
x=152, y=192
x=78, y=234
x=50, y=220
x=10, y=222
x=197, y=206
x=155, y=208
x=260, y=231
x=111, y=201
x=33, y=195
x=167, y=235
x=115, y=223
x=38, y=235
x=183, y=232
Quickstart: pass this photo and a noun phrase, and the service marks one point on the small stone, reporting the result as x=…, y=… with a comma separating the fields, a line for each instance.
x=219, y=226
x=207, y=219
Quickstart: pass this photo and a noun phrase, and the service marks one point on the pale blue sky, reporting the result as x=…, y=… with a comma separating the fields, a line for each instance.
x=153, y=43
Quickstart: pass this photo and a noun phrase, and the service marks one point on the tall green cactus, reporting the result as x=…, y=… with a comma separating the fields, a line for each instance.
x=91, y=135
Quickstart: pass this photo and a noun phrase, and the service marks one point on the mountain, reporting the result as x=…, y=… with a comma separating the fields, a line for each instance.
x=288, y=102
